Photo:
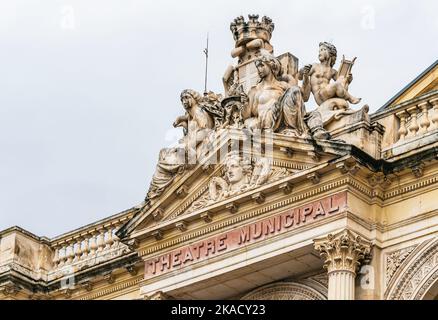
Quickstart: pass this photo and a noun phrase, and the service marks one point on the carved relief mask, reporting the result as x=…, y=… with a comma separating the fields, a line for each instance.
x=236, y=117
x=234, y=171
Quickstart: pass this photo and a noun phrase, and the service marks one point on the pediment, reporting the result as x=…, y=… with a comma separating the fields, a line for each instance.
x=210, y=194
x=207, y=185
x=425, y=83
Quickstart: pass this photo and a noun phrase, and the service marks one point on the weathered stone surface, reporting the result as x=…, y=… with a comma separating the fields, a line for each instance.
x=235, y=207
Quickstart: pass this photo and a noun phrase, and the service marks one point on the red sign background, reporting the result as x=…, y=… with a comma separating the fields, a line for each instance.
x=245, y=235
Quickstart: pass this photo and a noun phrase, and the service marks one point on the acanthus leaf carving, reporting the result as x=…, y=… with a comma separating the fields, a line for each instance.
x=394, y=261
x=343, y=251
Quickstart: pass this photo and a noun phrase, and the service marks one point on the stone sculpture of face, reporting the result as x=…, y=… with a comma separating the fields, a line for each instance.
x=323, y=54
x=234, y=171
x=236, y=117
x=263, y=69
x=187, y=101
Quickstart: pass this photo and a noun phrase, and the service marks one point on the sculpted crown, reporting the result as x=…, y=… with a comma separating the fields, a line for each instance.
x=245, y=31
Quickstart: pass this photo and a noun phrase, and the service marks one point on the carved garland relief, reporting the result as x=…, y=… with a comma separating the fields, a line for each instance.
x=239, y=175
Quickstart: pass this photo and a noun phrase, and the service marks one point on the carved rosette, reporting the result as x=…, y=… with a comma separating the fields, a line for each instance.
x=344, y=251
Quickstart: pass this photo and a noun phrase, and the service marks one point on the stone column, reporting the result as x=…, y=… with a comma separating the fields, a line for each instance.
x=342, y=253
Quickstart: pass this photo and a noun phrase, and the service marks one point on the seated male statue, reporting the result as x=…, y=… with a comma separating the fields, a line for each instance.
x=321, y=75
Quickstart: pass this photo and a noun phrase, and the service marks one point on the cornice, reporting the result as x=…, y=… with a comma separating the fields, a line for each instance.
x=347, y=182
x=246, y=216
x=308, y=242
x=303, y=146
x=43, y=240
x=409, y=187
x=113, y=288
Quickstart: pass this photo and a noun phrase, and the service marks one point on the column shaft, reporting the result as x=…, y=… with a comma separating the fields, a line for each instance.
x=341, y=285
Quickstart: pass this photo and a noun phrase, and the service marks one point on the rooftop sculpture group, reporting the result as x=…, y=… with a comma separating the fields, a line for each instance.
x=275, y=104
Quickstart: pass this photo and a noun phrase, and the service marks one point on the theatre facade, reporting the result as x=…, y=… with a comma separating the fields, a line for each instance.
x=283, y=187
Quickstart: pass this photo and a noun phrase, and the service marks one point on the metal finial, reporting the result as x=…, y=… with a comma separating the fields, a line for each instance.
x=206, y=67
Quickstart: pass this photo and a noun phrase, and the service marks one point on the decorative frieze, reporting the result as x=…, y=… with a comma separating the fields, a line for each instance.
x=116, y=287
x=245, y=235
x=288, y=151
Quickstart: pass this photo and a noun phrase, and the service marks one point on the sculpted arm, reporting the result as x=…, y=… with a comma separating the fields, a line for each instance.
x=247, y=109
x=181, y=121
x=350, y=78
x=306, y=88
x=334, y=74
x=226, y=78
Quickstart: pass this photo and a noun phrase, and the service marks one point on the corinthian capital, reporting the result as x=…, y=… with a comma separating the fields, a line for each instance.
x=344, y=251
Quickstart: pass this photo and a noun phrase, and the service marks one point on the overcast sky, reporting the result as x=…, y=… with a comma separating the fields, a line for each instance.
x=89, y=88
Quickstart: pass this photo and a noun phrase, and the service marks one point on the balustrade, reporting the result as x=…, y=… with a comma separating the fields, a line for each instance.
x=417, y=120
x=87, y=245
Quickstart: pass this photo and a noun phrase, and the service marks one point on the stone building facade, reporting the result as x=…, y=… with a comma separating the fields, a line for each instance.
x=262, y=198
